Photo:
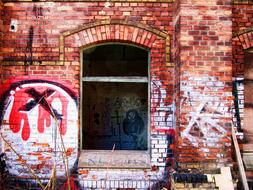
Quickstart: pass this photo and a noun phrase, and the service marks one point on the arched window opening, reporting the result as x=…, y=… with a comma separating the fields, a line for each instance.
x=115, y=97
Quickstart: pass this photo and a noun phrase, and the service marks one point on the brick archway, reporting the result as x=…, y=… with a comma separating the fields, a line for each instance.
x=161, y=71
x=245, y=38
x=128, y=32
x=114, y=31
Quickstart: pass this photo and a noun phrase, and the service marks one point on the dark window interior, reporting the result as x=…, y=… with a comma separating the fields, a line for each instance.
x=115, y=60
x=115, y=114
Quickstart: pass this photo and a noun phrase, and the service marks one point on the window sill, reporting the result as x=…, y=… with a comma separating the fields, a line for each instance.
x=117, y=159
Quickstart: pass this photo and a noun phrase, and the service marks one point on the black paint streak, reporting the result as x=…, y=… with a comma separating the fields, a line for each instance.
x=13, y=86
x=29, y=46
x=236, y=104
x=37, y=11
x=40, y=98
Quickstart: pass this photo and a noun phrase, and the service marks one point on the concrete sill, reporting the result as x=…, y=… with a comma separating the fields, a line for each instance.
x=117, y=159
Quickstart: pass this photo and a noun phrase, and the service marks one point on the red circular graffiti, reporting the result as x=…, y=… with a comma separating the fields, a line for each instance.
x=26, y=99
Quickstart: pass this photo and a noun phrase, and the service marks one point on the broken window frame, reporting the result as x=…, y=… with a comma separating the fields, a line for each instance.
x=130, y=79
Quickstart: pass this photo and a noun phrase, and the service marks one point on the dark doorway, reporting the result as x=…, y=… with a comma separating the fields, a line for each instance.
x=115, y=98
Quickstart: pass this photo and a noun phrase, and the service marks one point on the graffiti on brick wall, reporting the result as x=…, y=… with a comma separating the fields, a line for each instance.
x=162, y=112
x=37, y=101
x=36, y=34
x=204, y=125
x=34, y=113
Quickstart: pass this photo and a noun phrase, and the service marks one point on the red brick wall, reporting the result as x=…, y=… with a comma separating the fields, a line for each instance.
x=242, y=23
x=204, y=118
x=41, y=24
x=49, y=35
x=242, y=15
x=1, y=29
x=46, y=21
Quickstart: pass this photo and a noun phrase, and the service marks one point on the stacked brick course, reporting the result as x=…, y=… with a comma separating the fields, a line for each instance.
x=242, y=37
x=205, y=82
x=49, y=36
x=191, y=94
x=1, y=28
x=242, y=40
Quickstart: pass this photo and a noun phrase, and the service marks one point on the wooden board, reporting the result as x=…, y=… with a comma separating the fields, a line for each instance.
x=224, y=180
x=239, y=161
x=248, y=160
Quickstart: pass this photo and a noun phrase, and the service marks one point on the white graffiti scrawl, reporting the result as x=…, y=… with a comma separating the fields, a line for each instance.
x=162, y=113
x=204, y=125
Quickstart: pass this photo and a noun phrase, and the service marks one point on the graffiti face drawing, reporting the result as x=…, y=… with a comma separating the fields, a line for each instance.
x=133, y=126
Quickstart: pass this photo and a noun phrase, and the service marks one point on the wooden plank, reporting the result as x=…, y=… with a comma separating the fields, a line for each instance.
x=224, y=180
x=248, y=160
x=239, y=161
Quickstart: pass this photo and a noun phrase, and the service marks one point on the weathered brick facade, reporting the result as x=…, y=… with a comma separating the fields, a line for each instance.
x=205, y=82
x=242, y=40
x=196, y=50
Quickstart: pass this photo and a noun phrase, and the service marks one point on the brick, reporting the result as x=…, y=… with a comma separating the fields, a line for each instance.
x=200, y=48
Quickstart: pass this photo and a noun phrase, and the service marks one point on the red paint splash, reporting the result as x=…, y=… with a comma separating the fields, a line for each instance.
x=71, y=184
x=19, y=118
x=44, y=118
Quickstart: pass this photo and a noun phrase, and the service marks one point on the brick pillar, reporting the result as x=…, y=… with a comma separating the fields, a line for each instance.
x=1, y=27
x=1, y=37
x=204, y=92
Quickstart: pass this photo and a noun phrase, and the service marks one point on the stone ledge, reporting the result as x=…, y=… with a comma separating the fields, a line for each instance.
x=114, y=159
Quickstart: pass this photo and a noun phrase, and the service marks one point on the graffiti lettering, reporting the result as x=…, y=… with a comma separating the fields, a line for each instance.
x=27, y=100
x=27, y=111
x=204, y=124
x=160, y=107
